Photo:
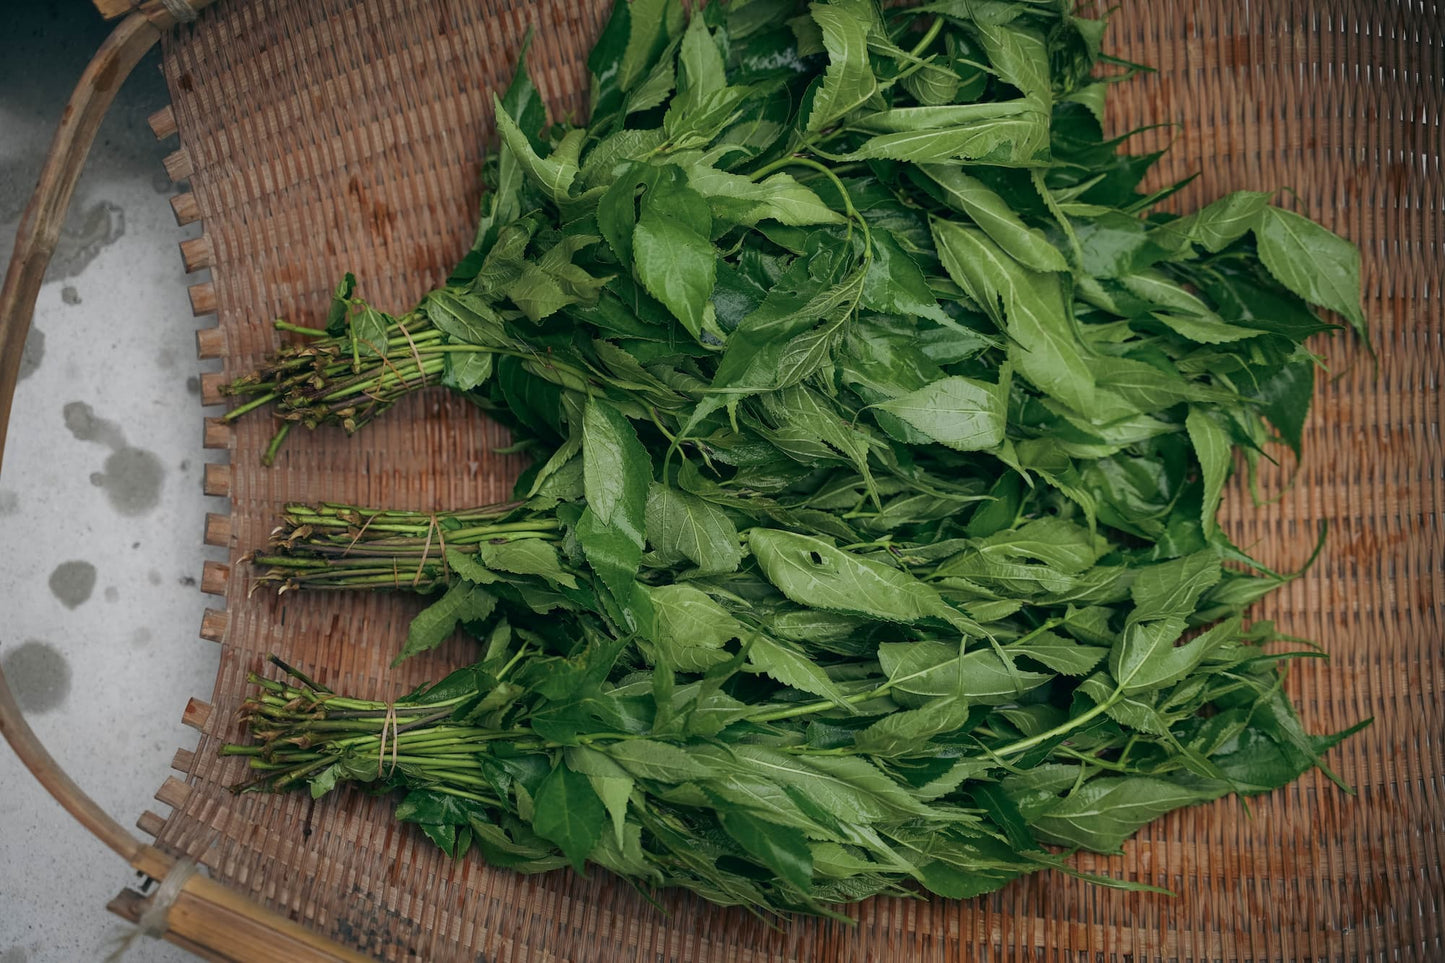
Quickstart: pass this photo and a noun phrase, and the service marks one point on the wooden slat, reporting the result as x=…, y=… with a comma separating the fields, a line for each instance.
x=183, y=760
x=178, y=165
x=214, y=576
x=217, y=479
x=203, y=298
x=186, y=209
x=218, y=530
x=163, y=122
x=218, y=434
x=196, y=253
x=211, y=384
x=196, y=714
x=110, y=9
x=213, y=625
x=210, y=343
x=173, y=792
x=150, y=823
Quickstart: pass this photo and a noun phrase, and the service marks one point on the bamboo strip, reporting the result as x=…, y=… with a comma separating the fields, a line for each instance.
x=210, y=343
x=197, y=714
x=217, y=481
x=214, y=576
x=218, y=530
x=163, y=122
x=203, y=298
x=213, y=625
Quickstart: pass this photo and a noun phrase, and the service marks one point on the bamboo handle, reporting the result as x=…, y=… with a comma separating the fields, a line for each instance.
x=206, y=917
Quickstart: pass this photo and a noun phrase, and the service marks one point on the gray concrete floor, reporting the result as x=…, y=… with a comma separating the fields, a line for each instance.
x=101, y=510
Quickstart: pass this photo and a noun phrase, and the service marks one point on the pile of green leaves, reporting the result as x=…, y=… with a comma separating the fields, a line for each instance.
x=881, y=425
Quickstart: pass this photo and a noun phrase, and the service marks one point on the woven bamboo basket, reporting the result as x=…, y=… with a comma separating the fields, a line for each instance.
x=332, y=135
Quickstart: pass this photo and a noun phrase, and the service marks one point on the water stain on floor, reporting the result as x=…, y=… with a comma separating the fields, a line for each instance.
x=72, y=582
x=33, y=353
x=132, y=477
x=84, y=236
x=86, y=425
x=9, y=502
x=39, y=676
x=69, y=294
x=112, y=594
x=132, y=480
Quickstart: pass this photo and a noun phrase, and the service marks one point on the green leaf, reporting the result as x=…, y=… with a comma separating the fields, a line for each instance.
x=1062, y=655
x=933, y=670
x=568, y=813
x=990, y=212
x=848, y=80
x=465, y=317
x=782, y=849
x=657, y=761
x=651, y=23
x=1012, y=141
x=526, y=556
x=340, y=307
x=676, y=262
x=1113, y=244
x=902, y=120
x=1045, y=348
x=895, y=285
x=615, y=556
x=964, y=414
x=1213, y=449
x=792, y=668
x=466, y=370
x=1172, y=589
x=368, y=330
x=1217, y=225
x=1105, y=811
x=1285, y=399
x=617, y=470
x=1020, y=56
x=689, y=628
x=907, y=732
x=553, y=174
x=610, y=781
x=428, y=807
x=658, y=86
x=1147, y=657
x=851, y=789
x=680, y=525
x=1319, y=266
x=463, y=602
x=813, y=572
x=1136, y=659
x=703, y=70
x=523, y=102
x=743, y=201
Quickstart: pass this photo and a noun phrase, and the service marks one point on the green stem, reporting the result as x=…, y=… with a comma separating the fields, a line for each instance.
x=1061, y=729
x=280, y=325
x=809, y=708
x=251, y=405
x=268, y=457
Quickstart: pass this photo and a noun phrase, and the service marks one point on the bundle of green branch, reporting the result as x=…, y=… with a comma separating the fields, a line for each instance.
x=880, y=424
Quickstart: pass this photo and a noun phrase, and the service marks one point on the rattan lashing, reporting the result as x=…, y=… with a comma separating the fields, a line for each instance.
x=332, y=136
